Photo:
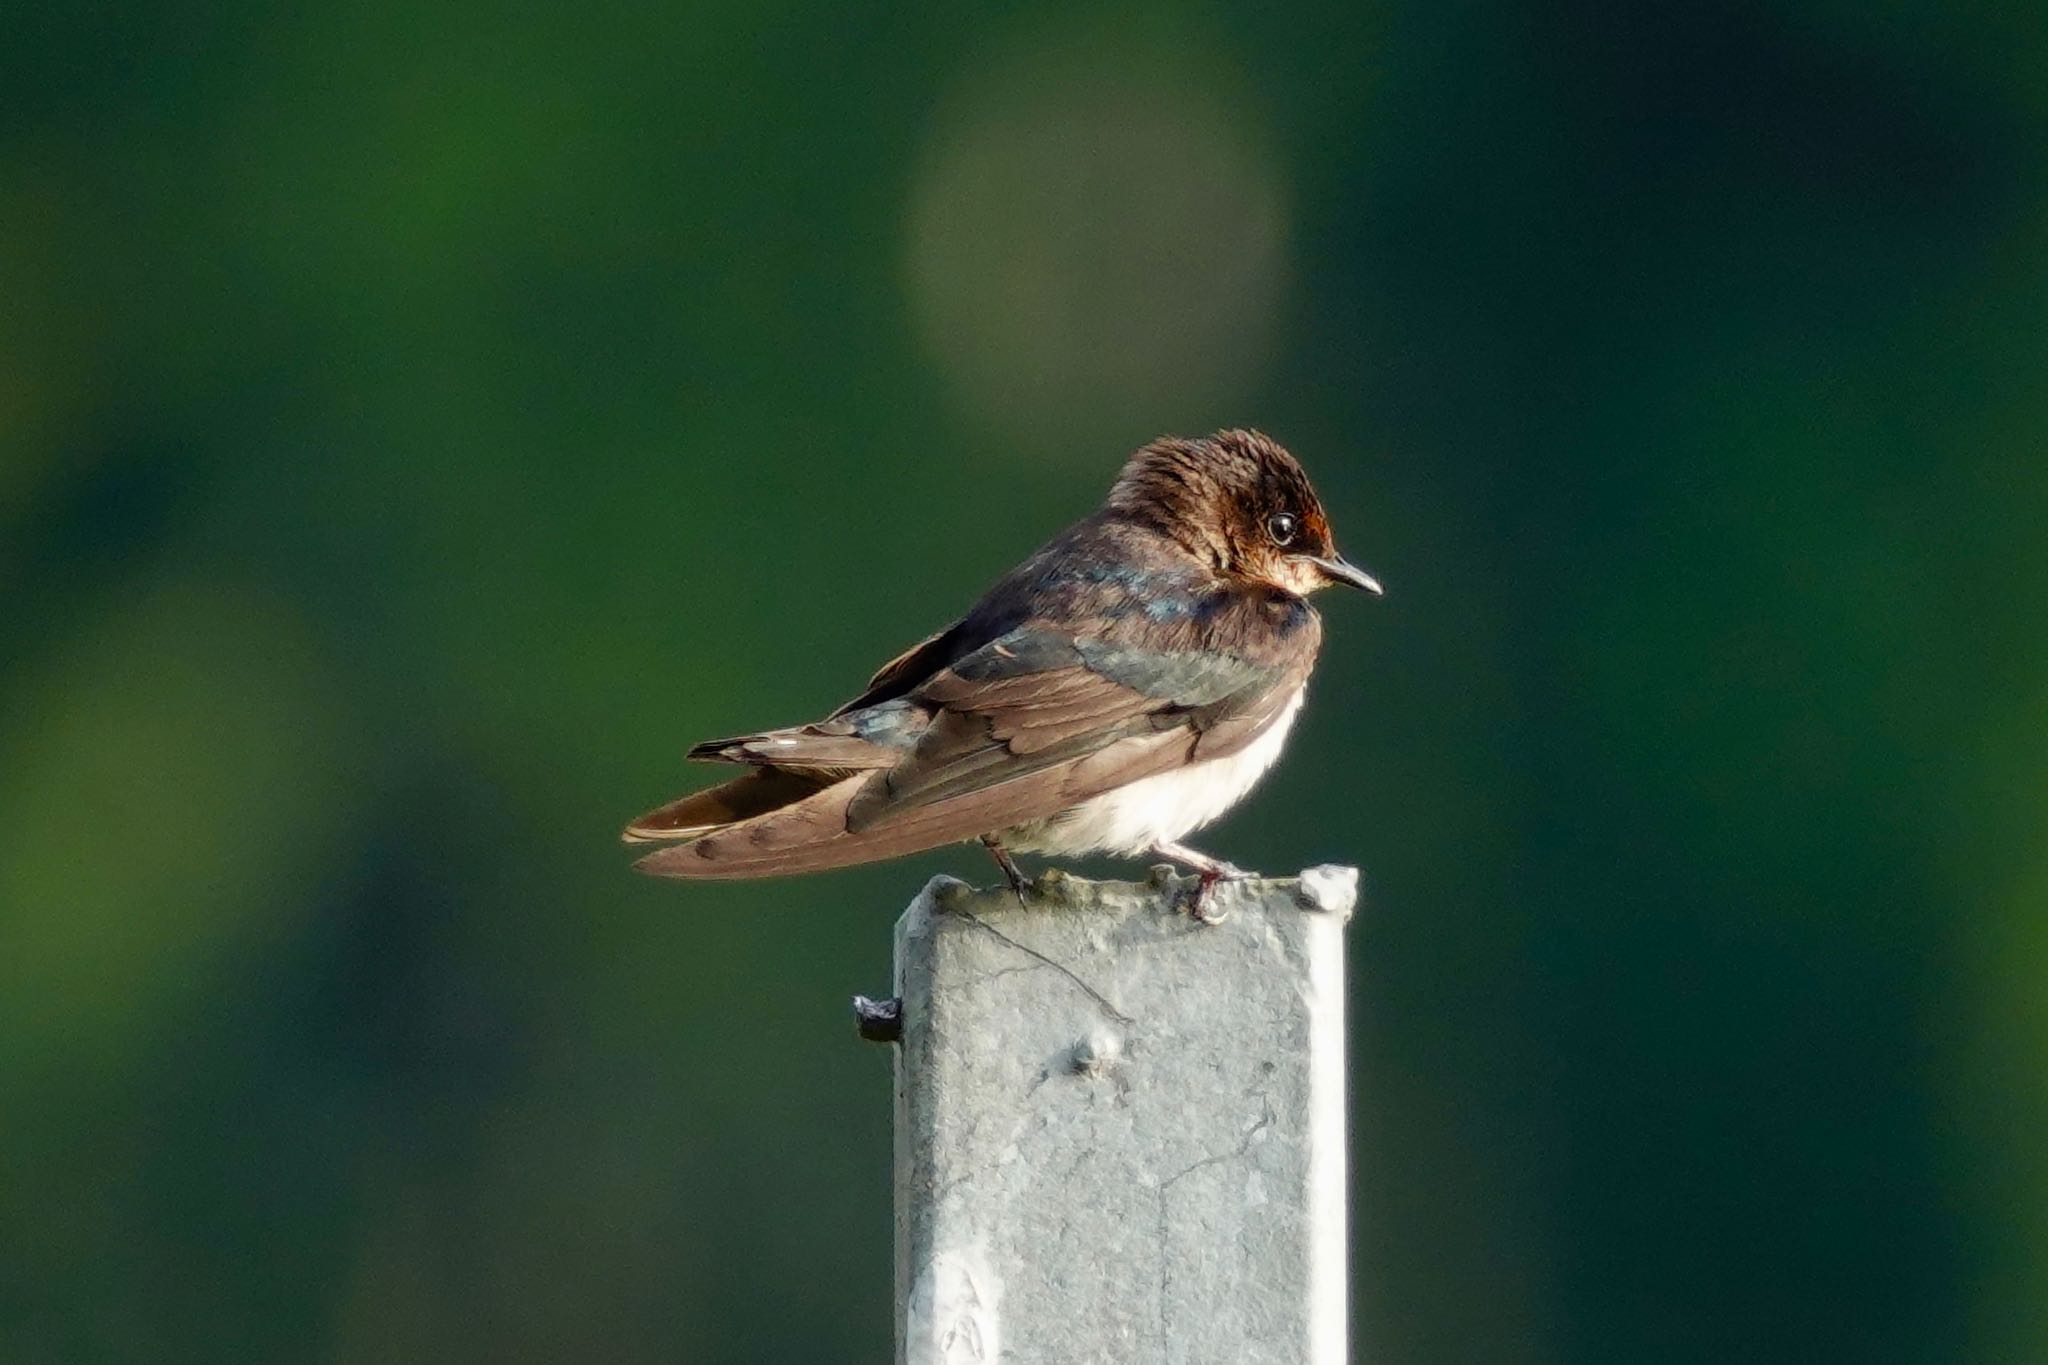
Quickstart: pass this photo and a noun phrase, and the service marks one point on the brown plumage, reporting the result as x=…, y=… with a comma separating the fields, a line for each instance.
x=1119, y=687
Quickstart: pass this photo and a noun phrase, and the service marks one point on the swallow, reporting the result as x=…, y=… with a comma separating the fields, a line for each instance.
x=1122, y=687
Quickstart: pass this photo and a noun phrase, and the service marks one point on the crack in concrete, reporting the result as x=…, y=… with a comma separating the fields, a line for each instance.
x=1242, y=1150
x=999, y=974
x=1097, y=996
x=1244, y=1146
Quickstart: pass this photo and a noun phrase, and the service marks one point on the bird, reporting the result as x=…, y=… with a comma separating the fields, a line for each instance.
x=1119, y=689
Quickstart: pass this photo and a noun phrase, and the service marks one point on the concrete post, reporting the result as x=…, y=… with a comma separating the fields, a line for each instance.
x=1120, y=1134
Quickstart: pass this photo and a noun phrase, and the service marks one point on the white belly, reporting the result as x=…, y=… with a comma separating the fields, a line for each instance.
x=1157, y=809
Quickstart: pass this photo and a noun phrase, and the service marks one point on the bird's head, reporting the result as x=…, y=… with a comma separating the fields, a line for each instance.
x=1240, y=501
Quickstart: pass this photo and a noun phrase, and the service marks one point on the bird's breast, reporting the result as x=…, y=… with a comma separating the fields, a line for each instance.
x=1162, y=807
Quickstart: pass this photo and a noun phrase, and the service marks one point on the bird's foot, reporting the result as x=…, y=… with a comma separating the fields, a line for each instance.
x=1020, y=885
x=1202, y=906
x=1209, y=873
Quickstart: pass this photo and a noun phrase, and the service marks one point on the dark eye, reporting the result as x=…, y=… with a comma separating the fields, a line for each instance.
x=1282, y=526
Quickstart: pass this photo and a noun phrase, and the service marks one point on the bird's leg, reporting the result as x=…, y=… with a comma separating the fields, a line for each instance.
x=1019, y=883
x=1208, y=871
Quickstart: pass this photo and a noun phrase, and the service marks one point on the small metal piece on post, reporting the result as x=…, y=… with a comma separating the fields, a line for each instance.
x=1120, y=1135
x=879, y=1021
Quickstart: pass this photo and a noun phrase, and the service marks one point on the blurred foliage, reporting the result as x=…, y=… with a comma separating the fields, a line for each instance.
x=418, y=424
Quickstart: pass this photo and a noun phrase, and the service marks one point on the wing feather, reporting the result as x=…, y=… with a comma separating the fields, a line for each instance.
x=1035, y=699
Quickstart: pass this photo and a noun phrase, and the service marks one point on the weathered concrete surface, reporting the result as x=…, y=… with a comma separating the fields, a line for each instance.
x=1120, y=1133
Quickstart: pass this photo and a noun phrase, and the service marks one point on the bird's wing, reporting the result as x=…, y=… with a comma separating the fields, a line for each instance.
x=1020, y=729
x=1039, y=699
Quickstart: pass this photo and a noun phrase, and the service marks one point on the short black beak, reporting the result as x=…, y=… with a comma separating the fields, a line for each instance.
x=1340, y=570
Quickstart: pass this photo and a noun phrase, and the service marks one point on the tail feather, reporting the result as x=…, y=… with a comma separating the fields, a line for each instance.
x=803, y=836
x=690, y=817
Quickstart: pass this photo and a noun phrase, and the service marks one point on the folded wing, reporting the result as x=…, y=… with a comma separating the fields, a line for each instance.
x=1023, y=727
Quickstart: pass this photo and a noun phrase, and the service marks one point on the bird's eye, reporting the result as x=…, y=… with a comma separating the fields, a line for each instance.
x=1282, y=527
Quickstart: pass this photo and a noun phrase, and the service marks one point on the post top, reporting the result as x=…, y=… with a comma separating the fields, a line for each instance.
x=1328, y=888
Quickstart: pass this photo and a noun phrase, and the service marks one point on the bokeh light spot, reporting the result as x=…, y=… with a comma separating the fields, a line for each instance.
x=169, y=797
x=1101, y=245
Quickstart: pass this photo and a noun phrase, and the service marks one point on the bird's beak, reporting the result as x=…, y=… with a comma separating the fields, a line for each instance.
x=1340, y=570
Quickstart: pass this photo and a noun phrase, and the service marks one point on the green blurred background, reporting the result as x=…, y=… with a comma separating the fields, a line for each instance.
x=418, y=424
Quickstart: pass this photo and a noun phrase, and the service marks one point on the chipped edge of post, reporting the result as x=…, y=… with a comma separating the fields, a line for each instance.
x=1329, y=887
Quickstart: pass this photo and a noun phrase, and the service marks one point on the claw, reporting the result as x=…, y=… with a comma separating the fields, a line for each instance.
x=1200, y=903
